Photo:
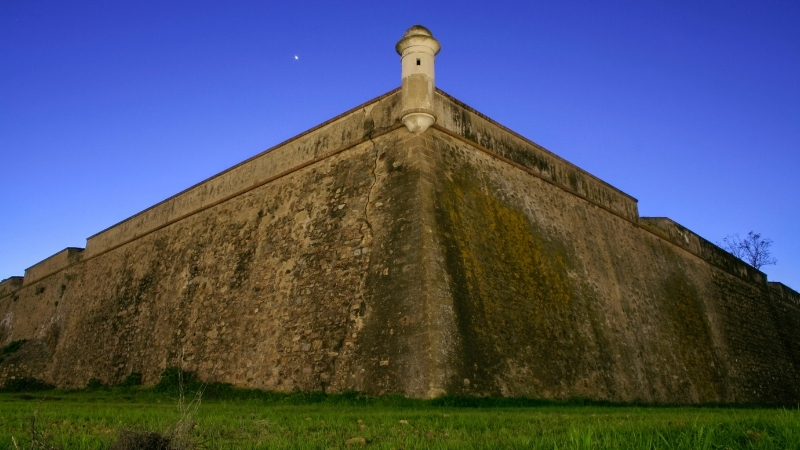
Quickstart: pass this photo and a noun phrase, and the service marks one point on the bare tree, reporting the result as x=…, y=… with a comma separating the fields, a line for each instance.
x=751, y=249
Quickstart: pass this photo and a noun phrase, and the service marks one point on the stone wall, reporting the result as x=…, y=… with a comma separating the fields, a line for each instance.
x=334, y=135
x=464, y=123
x=311, y=281
x=53, y=264
x=466, y=260
x=782, y=293
x=265, y=289
x=9, y=285
x=561, y=296
x=688, y=240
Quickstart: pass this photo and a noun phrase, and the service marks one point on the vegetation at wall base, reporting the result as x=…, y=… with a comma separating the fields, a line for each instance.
x=126, y=417
x=172, y=378
x=94, y=384
x=133, y=379
x=108, y=419
x=26, y=385
x=170, y=415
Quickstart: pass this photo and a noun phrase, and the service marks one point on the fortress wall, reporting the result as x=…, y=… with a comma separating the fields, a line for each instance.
x=461, y=121
x=29, y=313
x=781, y=292
x=556, y=297
x=409, y=334
x=60, y=260
x=283, y=287
x=786, y=312
x=460, y=262
x=764, y=367
x=687, y=239
x=340, y=132
x=10, y=285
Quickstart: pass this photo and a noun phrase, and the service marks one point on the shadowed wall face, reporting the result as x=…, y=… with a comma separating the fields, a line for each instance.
x=556, y=297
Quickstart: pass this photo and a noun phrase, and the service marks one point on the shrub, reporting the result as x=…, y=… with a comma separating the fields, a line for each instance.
x=94, y=384
x=173, y=378
x=28, y=384
x=217, y=390
x=133, y=379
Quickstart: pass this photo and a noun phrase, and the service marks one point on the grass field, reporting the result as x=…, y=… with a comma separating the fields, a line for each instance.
x=94, y=419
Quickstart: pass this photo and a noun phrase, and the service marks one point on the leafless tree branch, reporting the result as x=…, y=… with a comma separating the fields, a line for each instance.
x=752, y=249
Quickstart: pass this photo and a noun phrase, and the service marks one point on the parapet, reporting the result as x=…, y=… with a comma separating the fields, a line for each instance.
x=10, y=285
x=782, y=292
x=60, y=260
x=692, y=242
x=465, y=123
x=344, y=131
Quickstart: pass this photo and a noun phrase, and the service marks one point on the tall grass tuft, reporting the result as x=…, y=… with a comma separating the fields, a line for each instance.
x=180, y=436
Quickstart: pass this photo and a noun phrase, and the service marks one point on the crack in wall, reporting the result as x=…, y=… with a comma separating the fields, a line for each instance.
x=358, y=308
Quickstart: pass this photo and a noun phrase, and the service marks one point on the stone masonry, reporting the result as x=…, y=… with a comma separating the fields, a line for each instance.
x=459, y=259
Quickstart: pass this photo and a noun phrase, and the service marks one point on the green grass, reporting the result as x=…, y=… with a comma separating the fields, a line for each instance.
x=92, y=419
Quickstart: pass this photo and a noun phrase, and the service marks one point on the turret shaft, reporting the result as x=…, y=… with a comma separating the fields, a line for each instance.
x=418, y=51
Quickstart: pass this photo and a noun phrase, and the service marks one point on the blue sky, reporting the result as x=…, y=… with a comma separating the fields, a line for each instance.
x=109, y=107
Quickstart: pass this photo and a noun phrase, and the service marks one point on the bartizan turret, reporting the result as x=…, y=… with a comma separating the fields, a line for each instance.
x=418, y=51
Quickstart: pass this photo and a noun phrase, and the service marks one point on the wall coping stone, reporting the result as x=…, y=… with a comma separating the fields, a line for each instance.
x=52, y=264
x=784, y=293
x=685, y=238
x=10, y=285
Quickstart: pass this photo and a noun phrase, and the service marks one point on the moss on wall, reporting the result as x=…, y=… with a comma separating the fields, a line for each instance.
x=687, y=319
x=518, y=311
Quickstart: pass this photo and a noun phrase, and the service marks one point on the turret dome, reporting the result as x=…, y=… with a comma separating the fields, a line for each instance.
x=418, y=30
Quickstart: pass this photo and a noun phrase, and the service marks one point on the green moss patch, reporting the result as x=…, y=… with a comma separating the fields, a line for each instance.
x=521, y=319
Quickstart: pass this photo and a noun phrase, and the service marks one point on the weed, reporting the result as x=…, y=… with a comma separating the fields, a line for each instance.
x=144, y=440
x=38, y=439
x=180, y=436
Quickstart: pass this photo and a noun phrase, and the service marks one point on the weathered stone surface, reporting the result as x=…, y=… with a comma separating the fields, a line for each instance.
x=60, y=260
x=10, y=285
x=556, y=297
x=358, y=256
